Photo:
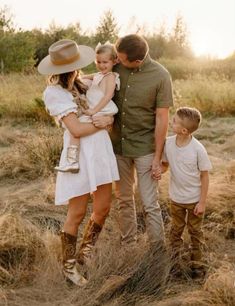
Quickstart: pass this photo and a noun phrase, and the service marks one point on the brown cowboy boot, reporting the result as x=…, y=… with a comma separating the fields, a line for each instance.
x=69, y=260
x=90, y=236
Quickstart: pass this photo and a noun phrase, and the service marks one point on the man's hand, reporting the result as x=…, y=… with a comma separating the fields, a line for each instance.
x=102, y=122
x=199, y=209
x=156, y=170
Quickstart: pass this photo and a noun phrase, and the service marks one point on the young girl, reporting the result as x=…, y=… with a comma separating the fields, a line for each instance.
x=98, y=167
x=98, y=96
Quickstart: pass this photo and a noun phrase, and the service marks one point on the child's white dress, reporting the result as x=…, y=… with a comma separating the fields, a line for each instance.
x=98, y=164
x=94, y=94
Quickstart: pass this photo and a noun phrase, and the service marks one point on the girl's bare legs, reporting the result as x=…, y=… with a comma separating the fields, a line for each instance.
x=76, y=212
x=72, y=157
x=102, y=199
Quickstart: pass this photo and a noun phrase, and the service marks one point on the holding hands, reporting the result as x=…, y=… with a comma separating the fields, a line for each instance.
x=156, y=170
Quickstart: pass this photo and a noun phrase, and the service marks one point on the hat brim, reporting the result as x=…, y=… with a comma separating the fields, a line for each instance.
x=86, y=57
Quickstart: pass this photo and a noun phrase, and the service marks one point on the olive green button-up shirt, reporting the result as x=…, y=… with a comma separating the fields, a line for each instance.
x=142, y=91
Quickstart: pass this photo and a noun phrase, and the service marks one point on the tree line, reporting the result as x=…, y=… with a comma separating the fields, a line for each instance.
x=21, y=50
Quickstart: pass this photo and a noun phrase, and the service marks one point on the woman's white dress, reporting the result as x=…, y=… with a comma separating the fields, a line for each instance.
x=98, y=164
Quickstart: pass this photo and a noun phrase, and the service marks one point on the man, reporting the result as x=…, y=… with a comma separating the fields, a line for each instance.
x=139, y=133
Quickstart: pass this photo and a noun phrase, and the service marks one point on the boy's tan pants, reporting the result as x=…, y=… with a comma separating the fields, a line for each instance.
x=148, y=192
x=182, y=215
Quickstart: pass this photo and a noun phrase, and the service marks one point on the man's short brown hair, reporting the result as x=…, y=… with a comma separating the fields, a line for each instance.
x=134, y=46
x=191, y=118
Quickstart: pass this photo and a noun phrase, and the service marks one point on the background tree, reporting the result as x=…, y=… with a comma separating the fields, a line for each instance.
x=178, y=43
x=17, y=51
x=55, y=32
x=6, y=25
x=107, y=29
x=158, y=41
x=22, y=50
x=6, y=20
x=157, y=45
x=16, y=47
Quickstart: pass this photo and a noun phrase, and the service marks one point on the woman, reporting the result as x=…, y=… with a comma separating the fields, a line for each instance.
x=98, y=167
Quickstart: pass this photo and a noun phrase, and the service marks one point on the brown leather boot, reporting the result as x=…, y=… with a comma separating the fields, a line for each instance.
x=90, y=236
x=69, y=259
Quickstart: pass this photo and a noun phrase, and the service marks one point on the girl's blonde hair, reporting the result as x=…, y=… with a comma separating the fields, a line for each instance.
x=106, y=48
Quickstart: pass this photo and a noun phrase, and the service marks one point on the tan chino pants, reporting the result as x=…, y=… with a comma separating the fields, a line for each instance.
x=149, y=196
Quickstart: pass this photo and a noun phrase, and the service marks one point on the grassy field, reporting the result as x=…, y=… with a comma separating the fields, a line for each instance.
x=30, y=272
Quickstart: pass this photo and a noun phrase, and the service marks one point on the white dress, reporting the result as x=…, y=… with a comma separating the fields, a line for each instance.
x=94, y=94
x=98, y=164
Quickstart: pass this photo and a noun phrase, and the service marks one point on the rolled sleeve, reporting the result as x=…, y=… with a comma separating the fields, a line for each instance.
x=165, y=94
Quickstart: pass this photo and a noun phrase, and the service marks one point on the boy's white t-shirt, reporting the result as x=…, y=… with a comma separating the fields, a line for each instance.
x=185, y=166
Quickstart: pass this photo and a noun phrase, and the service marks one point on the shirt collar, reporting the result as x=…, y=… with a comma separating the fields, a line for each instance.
x=145, y=62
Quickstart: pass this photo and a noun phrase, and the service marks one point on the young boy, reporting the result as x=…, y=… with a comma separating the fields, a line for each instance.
x=189, y=180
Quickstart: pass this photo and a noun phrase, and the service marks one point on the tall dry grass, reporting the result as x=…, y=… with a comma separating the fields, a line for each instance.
x=213, y=94
x=182, y=68
x=20, y=98
x=30, y=255
x=116, y=276
x=33, y=155
x=20, y=248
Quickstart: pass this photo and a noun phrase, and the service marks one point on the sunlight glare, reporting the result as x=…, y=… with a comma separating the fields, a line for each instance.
x=207, y=47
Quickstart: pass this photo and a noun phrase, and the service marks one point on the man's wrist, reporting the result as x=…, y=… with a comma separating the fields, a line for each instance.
x=157, y=159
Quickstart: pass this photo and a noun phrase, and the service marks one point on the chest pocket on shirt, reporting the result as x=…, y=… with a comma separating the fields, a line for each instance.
x=188, y=163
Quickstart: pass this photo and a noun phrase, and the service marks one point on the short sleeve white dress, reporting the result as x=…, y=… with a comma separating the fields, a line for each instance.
x=94, y=94
x=98, y=164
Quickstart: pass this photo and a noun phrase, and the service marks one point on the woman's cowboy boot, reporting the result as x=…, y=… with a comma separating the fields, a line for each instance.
x=69, y=260
x=90, y=236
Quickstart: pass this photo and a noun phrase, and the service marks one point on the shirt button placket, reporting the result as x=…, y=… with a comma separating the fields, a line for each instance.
x=124, y=119
x=123, y=126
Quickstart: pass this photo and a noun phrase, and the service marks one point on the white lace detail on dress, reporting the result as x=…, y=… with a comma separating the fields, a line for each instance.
x=66, y=113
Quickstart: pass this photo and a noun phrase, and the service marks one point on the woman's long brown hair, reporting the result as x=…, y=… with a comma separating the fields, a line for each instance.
x=70, y=82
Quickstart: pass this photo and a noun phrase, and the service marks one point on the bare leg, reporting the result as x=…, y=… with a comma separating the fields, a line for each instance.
x=101, y=206
x=76, y=212
x=102, y=199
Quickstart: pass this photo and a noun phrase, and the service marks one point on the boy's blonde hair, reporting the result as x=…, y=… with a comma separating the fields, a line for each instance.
x=191, y=118
x=106, y=48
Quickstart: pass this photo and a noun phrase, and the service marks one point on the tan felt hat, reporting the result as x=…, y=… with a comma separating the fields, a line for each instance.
x=64, y=56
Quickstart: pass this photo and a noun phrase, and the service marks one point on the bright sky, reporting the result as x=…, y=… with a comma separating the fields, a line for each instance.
x=211, y=23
